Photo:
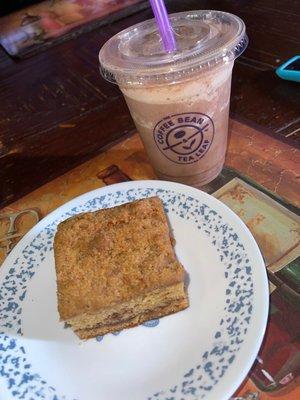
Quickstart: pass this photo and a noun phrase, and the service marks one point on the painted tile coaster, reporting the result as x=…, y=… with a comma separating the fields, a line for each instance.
x=275, y=228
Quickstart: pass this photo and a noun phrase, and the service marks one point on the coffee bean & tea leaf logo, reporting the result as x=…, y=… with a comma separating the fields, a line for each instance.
x=184, y=138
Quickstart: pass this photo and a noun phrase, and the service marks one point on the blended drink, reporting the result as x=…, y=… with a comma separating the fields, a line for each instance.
x=179, y=101
x=181, y=121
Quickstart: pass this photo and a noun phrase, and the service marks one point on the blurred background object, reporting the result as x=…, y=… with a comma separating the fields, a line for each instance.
x=51, y=21
x=14, y=5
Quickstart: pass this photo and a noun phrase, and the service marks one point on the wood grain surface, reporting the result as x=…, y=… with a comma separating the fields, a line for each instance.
x=56, y=111
x=273, y=165
x=265, y=160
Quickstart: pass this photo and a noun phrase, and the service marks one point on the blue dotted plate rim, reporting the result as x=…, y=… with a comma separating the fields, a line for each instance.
x=188, y=389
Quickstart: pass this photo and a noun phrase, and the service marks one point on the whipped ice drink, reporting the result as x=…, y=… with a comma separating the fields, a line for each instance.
x=184, y=126
x=179, y=101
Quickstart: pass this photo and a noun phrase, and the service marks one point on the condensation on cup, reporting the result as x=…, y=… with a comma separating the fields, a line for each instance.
x=179, y=101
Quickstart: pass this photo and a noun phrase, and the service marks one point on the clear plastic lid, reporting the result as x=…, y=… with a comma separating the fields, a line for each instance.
x=204, y=39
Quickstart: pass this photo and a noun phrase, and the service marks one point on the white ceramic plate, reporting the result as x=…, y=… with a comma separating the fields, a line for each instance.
x=202, y=352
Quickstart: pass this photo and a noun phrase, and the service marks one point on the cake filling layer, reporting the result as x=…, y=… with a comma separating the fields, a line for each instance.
x=100, y=329
x=128, y=310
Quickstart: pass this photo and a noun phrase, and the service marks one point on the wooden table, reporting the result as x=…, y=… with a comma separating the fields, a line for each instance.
x=56, y=113
x=264, y=168
x=56, y=110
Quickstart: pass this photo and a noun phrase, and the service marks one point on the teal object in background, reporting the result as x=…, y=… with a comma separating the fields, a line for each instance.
x=290, y=70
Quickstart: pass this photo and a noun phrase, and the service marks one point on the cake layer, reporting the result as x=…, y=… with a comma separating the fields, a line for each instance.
x=99, y=330
x=127, y=310
x=113, y=256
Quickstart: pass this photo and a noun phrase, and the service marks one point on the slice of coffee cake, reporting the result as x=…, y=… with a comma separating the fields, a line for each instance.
x=117, y=268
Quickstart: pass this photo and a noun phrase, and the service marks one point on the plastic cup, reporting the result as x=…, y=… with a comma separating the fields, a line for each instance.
x=179, y=101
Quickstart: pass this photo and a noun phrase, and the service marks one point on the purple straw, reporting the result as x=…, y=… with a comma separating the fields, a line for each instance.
x=163, y=23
